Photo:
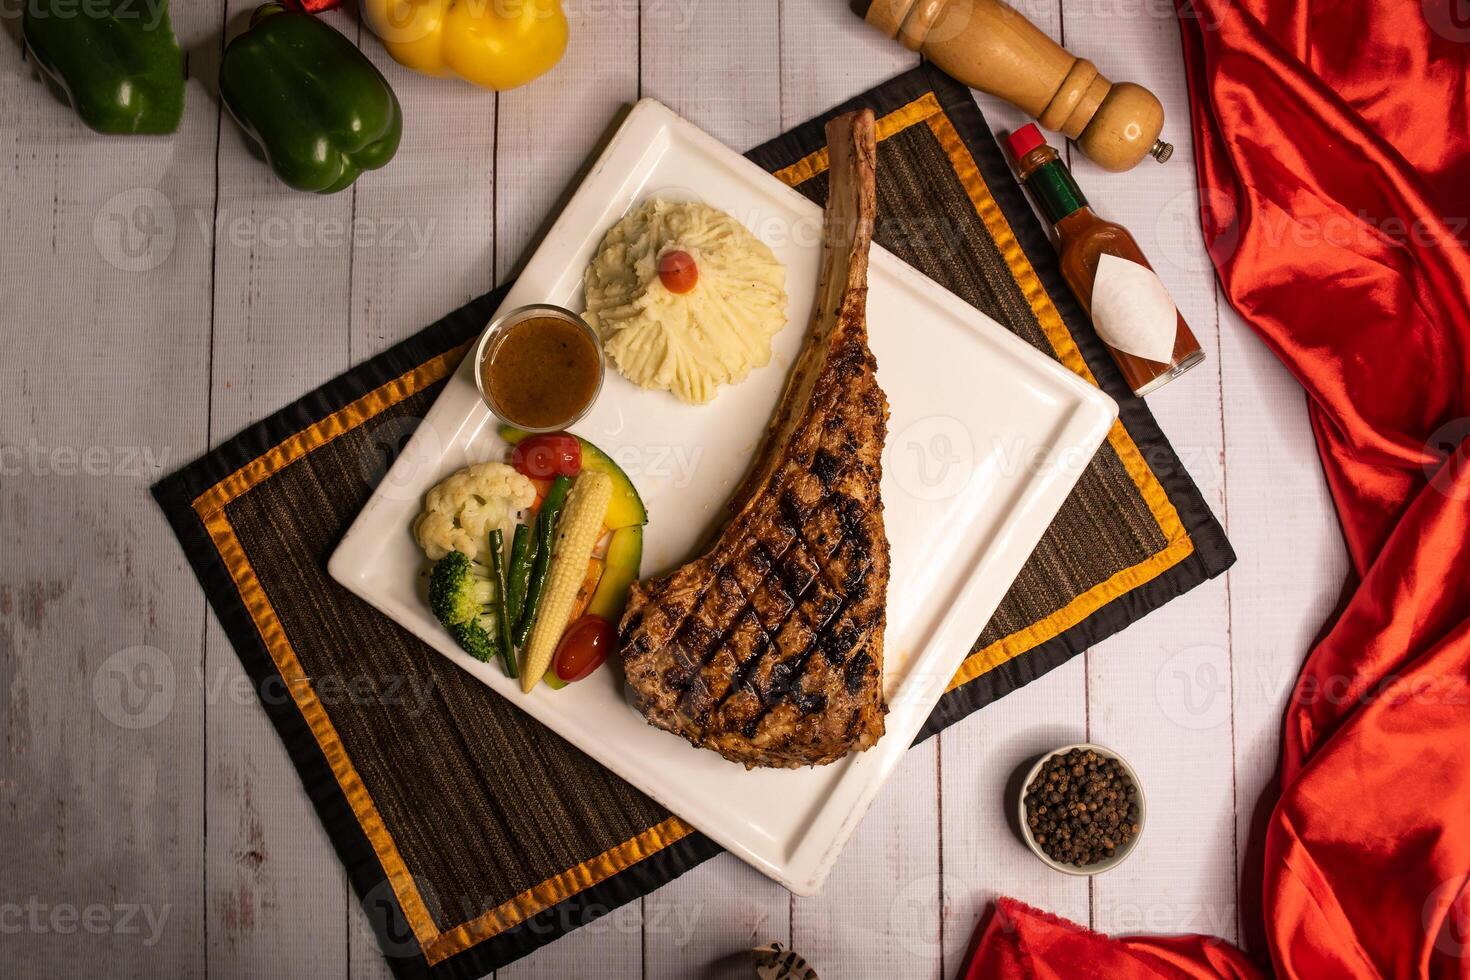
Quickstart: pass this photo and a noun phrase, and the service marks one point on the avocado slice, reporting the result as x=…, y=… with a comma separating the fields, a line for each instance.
x=619, y=572
x=626, y=509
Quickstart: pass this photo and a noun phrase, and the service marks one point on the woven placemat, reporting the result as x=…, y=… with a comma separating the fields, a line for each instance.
x=467, y=856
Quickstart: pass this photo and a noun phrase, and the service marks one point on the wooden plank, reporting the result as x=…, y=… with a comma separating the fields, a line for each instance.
x=879, y=911
x=1291, y=569
x=611, y=945
x=547, y=134
x=828, y=56
x=103, y=389
x=549, y=130
x=423, y=243
x=276, y=894
x=364, y=957
x=425, y=224
x=1184, y=761
x=986, y=756
x=886, y=882
x=289, y=312
x=703, y=924
x=716, y=65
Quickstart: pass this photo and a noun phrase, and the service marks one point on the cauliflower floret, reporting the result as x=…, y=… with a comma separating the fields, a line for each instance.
x=460, y=512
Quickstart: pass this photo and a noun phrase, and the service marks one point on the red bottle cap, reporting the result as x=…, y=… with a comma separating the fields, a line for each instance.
x=1025, y=139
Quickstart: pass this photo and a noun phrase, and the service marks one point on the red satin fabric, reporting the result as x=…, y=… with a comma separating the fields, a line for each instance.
x=1333, y=141
x=1017, y=941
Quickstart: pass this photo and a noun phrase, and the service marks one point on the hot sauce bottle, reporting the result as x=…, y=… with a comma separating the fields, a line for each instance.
x=1130, y=308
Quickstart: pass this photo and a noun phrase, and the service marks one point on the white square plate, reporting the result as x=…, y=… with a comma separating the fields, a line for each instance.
x=986, y=439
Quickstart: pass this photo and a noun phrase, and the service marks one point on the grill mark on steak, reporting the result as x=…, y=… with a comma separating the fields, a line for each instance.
x=793, y=511
x=772, y=603
x=768, y=648
x=797, y=569
x=718, y=673
x=837, y=644
x=855, y=670
x=816, y=611
x=850, y=516
x=823, y=532
x=826, y=467
x=740, y=679
x=786, y=675
x=856, y=585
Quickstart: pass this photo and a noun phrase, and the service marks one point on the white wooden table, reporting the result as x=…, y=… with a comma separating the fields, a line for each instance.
x=143, y=326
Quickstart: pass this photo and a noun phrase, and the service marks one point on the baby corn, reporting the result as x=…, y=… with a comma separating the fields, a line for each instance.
x=576, y=534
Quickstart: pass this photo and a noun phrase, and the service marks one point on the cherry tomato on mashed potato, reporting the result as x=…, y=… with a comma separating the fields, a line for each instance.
x=678, y=271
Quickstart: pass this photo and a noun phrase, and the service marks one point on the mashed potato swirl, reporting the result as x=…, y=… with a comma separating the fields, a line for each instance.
x=691, y=343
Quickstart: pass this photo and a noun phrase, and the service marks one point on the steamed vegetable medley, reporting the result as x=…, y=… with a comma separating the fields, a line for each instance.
x=543, y=597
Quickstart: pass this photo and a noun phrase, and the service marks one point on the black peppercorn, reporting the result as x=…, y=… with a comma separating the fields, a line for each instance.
x=1081, y=808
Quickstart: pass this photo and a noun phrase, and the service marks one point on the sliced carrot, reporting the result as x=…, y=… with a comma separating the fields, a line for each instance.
x=542, y=488
x=587, y=589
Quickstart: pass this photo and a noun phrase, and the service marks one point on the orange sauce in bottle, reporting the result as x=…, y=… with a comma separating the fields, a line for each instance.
x=1083, y=239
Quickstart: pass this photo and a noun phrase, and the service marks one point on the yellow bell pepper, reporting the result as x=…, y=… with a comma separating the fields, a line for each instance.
x=496, y=44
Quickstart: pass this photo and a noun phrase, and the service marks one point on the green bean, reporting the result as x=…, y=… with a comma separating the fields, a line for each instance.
x=556, y=499
x=522, y=557
x=502, y=614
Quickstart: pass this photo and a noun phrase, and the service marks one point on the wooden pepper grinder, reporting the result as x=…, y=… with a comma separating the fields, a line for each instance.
x=989, y=46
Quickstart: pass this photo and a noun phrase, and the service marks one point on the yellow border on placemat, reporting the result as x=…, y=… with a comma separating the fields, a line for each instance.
x=210, y=506
x=895, y=122
x=1178, y=544
x=438, y=946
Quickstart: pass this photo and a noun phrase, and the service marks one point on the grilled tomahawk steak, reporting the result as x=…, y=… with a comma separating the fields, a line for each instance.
x=769, y=648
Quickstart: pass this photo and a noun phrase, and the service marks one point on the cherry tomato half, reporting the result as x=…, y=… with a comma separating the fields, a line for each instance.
x=583, y=648
x=544, y=457
x=678, y=272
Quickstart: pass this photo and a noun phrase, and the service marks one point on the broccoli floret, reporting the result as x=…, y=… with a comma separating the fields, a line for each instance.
x=477, y=637
x=462, y=597
x=460, y=589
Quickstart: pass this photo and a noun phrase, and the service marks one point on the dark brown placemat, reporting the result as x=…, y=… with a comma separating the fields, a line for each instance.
x=465, y=858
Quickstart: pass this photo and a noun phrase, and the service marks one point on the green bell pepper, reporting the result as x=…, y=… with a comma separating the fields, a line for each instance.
x=319, y=109
x=116, y=61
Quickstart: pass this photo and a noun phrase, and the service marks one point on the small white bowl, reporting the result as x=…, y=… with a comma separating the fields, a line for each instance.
x=1119, y=854
x=485, y=349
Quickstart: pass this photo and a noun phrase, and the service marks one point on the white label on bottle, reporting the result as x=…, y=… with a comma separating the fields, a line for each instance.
x=1132, y=310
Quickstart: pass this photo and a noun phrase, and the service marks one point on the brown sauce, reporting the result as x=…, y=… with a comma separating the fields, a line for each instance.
x=542, y=372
